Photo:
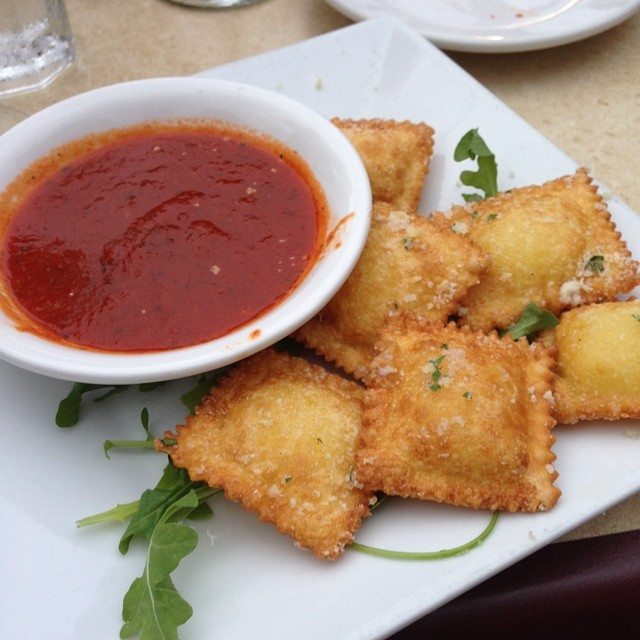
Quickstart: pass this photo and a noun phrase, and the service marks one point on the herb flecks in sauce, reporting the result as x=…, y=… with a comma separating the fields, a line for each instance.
x=154, y=239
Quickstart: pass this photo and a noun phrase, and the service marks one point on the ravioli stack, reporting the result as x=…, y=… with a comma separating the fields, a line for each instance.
x=419, y=393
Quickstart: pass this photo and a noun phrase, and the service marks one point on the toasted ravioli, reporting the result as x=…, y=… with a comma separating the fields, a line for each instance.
x=408, y=265
x=553, y=244
x=598, y=370
x=279, y=436
x=458, y=417
x=395, y=154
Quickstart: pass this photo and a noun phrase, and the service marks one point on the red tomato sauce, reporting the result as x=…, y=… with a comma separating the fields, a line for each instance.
x=161, y=240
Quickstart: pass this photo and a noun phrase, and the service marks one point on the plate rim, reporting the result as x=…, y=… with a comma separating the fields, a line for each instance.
x=488, y=42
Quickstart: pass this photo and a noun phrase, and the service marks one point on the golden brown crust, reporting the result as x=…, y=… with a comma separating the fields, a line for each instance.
x=395, y=154
x=598, y=371
x=407, y=265
x=458, y=417
x=553, y=244
x=279, y=436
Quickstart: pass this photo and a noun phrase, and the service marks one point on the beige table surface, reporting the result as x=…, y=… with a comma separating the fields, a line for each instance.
x=584, y=97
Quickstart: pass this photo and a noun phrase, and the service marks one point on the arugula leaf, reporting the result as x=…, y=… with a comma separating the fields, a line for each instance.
x=532, y=320
x=172, y=479
x=154, y=504
x=155, y=610
x=68, y=412
x=145, y=387
x=152, y=607
x=119, y=513
x=203, y=511
x=192, y=398
x=473, y=147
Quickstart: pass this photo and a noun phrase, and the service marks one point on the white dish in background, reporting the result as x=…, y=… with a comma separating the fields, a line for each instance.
x=495, y=25
x=244, y=578
x=330, y=157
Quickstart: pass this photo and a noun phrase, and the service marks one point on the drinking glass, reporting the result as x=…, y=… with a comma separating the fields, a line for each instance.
x=36, y=43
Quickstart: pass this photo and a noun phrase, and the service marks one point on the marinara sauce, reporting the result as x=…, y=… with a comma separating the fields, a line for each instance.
x=159, y=238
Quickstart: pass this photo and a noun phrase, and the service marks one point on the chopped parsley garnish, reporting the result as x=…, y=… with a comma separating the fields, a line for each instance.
x=532, y=320
x=437, y=373
x=473, y=147
x=595, y=264
x=468, y=395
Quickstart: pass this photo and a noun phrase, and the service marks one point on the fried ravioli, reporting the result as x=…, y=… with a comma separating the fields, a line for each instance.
x=396, y=156
x=407, y=265
x=458, y=417
x=279, y=436
x=553, y=244
x=598, y=371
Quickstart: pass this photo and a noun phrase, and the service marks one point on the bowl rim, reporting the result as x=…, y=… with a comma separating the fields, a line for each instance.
x=38, y=135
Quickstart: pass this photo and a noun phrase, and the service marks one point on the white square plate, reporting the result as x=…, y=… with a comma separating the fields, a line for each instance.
x=245, y=580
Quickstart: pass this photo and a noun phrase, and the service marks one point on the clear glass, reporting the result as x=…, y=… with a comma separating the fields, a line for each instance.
x=217, y=4
x=36, y=43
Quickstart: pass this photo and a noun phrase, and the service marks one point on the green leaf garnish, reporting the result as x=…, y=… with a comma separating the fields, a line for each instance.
x=68, y=414
x=152, y=607
x=437, y=373
x=192, y=398
x=595, y=264
x=473, y=147
x=172, y=480
x=155, y=503
x=532, y=320
x=429, y=555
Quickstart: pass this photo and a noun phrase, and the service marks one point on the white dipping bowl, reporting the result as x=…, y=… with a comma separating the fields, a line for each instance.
x=331, y=158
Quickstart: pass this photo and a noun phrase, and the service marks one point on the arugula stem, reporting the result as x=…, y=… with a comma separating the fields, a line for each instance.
x=205, y=492
x=119, y=513
x=130, y=444
x=428, y=555
x=126, y=511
